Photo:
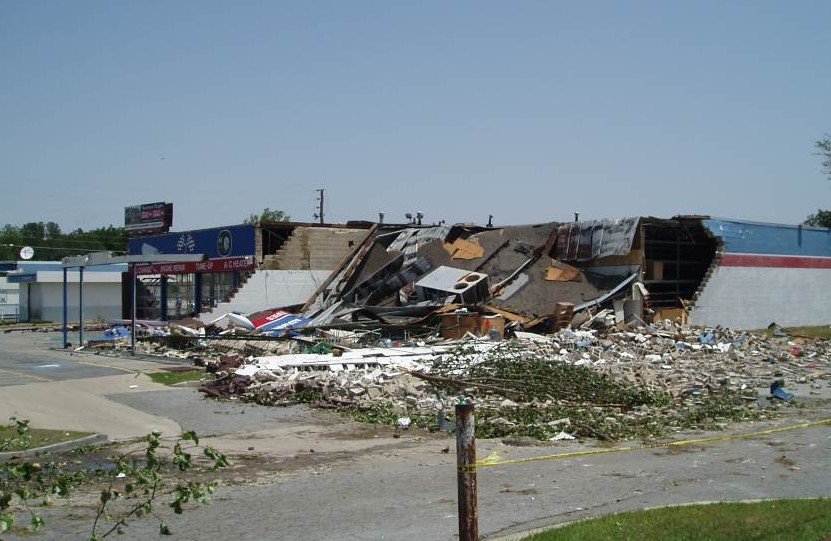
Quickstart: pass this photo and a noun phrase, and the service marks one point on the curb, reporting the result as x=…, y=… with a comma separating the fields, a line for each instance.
x=93, y=439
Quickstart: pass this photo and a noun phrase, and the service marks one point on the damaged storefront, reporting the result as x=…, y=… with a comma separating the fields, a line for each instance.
x=539, y=277
x=177, y=290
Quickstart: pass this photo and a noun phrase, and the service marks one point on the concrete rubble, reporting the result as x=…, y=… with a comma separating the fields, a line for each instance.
x=620, y=382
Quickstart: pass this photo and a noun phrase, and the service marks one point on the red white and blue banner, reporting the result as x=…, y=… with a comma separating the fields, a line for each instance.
x=279, y=322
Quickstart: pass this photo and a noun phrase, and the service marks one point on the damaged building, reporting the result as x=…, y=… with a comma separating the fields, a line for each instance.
x=701, y=270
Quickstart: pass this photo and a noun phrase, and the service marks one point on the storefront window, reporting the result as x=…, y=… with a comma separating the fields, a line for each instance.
x=215, y=288
x=181, y=296
x=148, y=294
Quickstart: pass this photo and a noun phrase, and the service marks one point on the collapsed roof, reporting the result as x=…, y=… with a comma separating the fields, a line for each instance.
x=411, y=270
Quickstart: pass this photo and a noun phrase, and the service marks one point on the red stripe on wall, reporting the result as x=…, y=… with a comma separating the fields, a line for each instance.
x=778, y=261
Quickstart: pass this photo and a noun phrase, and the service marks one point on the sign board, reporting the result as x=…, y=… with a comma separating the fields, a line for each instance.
x=280, y=321
x=27, y=252
x=227, y=264
x=218, y=242
x=148, y=217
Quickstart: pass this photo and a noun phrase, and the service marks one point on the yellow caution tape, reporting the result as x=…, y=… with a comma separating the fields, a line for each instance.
x=495, y=460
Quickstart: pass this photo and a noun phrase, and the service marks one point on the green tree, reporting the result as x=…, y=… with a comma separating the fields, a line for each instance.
x=53, y=230
x=51, y=244
x=823, y=147
x=10, y=242
x=822, y=218
x=268, y=215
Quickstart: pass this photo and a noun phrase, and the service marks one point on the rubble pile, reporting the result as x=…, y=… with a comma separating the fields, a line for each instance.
x=681, y=360
x=642, y=382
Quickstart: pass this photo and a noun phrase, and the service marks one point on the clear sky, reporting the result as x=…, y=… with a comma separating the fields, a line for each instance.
x=524, y=110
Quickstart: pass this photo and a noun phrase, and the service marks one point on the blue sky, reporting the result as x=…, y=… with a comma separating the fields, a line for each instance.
x=524, y=110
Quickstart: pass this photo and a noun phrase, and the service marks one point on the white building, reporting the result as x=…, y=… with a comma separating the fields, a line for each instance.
x=9, y=295
x=41, y=291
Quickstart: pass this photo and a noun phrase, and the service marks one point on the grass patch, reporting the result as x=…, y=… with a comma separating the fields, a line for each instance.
x=770, y=520
x=816, y=331
x=178, y=376
x=821, y=331
x=38, y=437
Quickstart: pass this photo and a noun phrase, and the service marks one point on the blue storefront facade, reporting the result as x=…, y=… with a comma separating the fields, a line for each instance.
x=176, y=290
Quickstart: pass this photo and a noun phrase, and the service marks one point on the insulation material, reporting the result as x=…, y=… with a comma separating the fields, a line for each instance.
x=464, y=249
x=562, y=272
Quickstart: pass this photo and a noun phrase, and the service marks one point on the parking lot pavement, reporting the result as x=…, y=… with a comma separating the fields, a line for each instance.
x=35, y=357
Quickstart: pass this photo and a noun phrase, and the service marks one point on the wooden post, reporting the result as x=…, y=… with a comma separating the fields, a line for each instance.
x=466, y=476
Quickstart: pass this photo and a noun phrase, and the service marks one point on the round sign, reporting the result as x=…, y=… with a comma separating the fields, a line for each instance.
x=27, y=252
x=224, y=243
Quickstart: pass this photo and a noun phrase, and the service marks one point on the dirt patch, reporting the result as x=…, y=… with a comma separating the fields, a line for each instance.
x=785, y=461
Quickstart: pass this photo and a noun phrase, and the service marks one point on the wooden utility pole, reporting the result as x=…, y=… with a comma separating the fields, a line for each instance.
x=466, y=476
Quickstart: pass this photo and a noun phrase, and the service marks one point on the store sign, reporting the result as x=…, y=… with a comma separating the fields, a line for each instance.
x=218, y=242
x=149, y=217
x=227, y=264
x=280, y=320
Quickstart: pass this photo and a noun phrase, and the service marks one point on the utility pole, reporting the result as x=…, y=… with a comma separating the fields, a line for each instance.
x=319, y=214
x=466, y=472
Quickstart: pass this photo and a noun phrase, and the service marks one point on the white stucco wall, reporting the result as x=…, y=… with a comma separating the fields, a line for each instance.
x=101, y=301
x=272, y=289
x=753, y=297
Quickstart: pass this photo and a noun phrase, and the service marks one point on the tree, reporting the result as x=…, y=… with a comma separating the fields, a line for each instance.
x=267, y=215
x=823, y=147
x=822, y=218
x=51, y=244
x=53, y=230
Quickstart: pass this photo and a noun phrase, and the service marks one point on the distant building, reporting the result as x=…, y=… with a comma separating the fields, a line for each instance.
x=9, y=294
x=40, y=291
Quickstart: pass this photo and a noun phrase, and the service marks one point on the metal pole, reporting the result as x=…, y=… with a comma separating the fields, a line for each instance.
x=133, y=310
x=80, y=306
x=65, y=329
x=466, y=475
x=320, y=205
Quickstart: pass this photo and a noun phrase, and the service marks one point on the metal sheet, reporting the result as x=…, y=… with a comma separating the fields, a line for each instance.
x=411, y=239
x=595, y=239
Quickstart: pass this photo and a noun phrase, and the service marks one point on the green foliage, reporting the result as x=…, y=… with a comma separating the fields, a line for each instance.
x=135, y=484
x=267, y=215
x=823, y=147
x=51, y=244
x=22, y=436
x=770, y=520
x=821, y=218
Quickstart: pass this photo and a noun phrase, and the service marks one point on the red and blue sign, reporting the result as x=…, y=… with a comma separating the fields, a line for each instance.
x=280, y=322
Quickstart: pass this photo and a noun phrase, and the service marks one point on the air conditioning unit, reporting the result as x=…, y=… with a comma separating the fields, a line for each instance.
x=463, y=286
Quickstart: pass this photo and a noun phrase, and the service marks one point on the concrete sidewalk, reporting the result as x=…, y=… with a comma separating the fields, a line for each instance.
x=82, y=404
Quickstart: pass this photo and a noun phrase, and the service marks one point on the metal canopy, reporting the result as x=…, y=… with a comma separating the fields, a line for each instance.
x=107, y=258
